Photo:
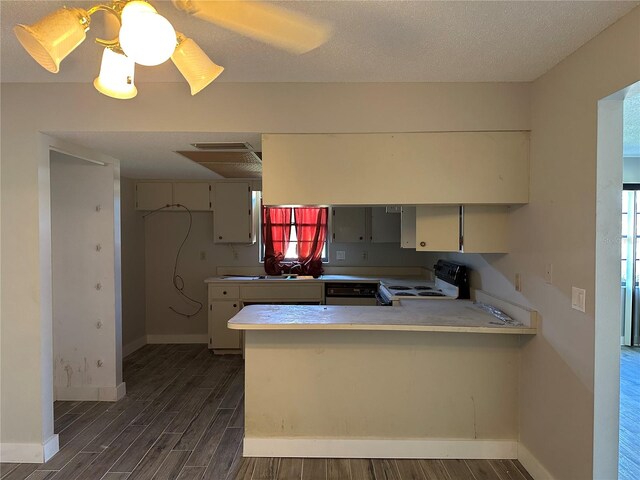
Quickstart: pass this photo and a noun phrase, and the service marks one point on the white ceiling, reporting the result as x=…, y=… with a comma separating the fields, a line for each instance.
x=372, y=41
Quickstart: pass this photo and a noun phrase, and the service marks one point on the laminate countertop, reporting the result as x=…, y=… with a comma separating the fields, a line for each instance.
x=462, y=316
x=306, y=278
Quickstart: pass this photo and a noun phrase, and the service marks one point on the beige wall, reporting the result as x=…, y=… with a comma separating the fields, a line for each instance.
x=133, y=269
x=165, y=231
x=86, y=325
x=275, y=108
x=558, y=226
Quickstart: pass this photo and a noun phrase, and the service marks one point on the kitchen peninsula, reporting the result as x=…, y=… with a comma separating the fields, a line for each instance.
x=431, y=379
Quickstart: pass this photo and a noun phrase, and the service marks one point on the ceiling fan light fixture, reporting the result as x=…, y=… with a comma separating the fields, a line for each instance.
x=145, y=36
x=55, y=36
x=194, y=65
x=116, y=76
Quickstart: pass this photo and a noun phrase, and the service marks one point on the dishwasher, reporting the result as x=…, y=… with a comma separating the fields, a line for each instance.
x=351, y=293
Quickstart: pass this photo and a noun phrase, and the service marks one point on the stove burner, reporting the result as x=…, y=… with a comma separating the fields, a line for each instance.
x=405, y=294
x=398, y=287
x=421, y=287
x=431, y=294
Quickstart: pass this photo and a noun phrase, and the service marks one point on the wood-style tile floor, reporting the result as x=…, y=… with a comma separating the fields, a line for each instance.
x=629, y=465
x=182, y=419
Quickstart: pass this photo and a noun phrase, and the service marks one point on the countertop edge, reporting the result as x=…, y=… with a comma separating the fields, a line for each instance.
x=387, y=328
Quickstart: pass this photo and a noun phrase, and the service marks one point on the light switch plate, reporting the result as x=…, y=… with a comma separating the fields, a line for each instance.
x=340, y=255
x=578, y=298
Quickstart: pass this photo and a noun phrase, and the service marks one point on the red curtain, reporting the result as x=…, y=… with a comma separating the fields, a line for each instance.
x=311, y=230
x=276, y=230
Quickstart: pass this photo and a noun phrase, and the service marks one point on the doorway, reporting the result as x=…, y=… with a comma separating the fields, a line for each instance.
x=629, y=462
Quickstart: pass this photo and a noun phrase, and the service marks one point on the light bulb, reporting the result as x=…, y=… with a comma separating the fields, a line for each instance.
x=116, y=76
x=146, y=37
x=194, y=65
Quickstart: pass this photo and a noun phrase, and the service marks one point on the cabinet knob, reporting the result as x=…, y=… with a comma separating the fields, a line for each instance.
x=220, y=237
x=224, y=292
x=423, y=244
x=361, y=238
x=235, y=305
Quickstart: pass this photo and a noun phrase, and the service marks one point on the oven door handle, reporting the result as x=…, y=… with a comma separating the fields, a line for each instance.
x=381, y=301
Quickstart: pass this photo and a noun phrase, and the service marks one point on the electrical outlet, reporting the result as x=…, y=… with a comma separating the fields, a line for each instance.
x=340, y=255
x=578, y=299
x=548, y=273
x=518, y=283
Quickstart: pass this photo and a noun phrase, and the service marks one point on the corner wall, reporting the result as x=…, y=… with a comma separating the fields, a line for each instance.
x=133, y=270
x=28, y=109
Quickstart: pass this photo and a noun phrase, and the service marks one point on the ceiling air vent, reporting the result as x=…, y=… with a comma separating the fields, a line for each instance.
x=224, y=146
x=228, y=163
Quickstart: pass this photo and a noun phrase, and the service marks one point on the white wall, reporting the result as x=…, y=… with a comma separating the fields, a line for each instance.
x=165, y=231
x=568, y=391
x=85, y=321
x=133, y=270
x=28, y=109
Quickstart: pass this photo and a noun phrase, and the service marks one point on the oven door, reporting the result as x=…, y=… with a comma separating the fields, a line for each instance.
x=381, y=302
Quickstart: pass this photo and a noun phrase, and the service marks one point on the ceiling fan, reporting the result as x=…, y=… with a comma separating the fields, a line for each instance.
x=147, y=38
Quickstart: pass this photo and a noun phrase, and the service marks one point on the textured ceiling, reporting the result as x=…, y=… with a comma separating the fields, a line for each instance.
x=373, y=41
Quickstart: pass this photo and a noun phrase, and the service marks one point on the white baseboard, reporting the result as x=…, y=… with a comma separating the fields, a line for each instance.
x=531, y=463
x=189, y=338
x=379, y=448
x=88, y=393
x=29, y=452
x=131, y=347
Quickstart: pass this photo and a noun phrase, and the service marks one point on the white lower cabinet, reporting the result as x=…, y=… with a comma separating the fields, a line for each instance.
x=220, y=336
x=227, y=298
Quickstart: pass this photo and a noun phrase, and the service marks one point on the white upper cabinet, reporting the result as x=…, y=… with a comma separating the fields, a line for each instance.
x=438, y=228
x=194, y=196
x=408, y=227
x=467, y=229
x=153, y=195
x=233, y=213
x=437, y=168
x=484, y=229
x=385, y=227
x=349, y=224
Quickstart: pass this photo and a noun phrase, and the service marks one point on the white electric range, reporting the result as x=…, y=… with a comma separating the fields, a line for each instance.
x=451, y=283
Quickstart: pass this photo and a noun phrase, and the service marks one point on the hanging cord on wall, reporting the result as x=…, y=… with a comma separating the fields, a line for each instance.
x=177, y=280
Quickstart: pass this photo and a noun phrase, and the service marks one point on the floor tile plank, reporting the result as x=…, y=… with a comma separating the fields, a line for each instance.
x=482, y=470
x=362, y=469
x=410, y=470
x=290, y=468
x=265, y=469
x=506, y=470
x=314, y=469
x=385, y=469
x=220, y=465
x=434, y=470
x=457, y=469
x=155, y=457
x=172, y=465
x=210, y=439
x=105, y=460
x=191, y=473
x=338, y=469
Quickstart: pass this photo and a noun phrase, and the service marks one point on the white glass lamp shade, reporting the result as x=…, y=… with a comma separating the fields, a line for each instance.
x=116, y=76
x=194, y=65
x=54, y=37
x=146, y=37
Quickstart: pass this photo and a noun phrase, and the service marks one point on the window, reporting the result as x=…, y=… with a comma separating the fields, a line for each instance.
x=286, y=226
x=630, y=244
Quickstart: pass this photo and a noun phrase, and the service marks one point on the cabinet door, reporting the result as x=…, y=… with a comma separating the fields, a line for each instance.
x=233, y=213
x=220, y=335
x=484, y=229
x=194, y=196
x=349, y=224
x=153, y=195
x=385, y=227
x=438, y=228
x=408, y=227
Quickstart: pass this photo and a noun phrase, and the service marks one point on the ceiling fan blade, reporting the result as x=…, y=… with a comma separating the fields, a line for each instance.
x=276, y=26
